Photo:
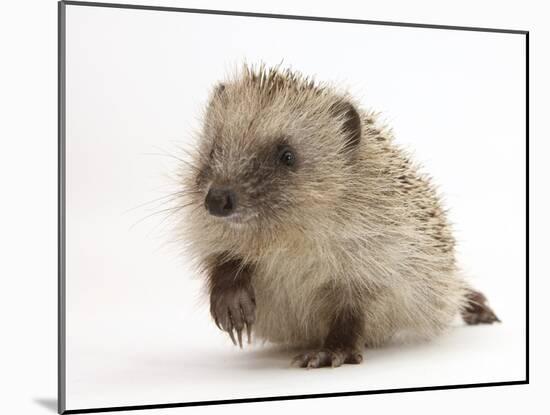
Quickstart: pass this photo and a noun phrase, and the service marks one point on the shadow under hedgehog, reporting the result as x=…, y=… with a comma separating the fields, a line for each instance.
x=312, y=228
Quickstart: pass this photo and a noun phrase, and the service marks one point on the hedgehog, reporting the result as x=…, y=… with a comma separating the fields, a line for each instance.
x=312, y=228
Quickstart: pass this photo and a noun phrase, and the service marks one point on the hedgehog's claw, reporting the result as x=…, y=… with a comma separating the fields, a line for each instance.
x=217, y=323
x=248, y=332
x=240, y=337
x=232, y=336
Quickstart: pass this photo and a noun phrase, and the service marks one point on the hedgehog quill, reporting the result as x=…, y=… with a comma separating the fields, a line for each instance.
x=312, y=228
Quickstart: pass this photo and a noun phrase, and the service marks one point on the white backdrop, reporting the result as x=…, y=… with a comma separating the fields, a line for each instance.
x=28, y=171
x=137, y=330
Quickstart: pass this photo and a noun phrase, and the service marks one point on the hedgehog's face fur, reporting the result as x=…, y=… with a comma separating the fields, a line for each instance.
x=275, y=149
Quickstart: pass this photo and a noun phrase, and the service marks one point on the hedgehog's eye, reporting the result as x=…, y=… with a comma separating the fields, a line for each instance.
x=287, y=157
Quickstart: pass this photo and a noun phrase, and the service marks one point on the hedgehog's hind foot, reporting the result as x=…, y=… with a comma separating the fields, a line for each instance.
x=477, y=311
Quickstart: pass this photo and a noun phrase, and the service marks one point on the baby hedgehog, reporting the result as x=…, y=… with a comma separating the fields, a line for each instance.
x=312, y=228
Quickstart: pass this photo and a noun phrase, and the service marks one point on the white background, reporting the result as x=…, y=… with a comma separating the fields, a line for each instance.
x=29, y=270
x=137, y=82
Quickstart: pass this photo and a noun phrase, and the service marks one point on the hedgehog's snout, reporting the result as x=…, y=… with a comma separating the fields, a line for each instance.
x=220, y=201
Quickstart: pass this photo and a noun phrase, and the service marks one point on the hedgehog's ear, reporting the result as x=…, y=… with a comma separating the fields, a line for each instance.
x=219, y=90
x=351, y=124
x=218, y=95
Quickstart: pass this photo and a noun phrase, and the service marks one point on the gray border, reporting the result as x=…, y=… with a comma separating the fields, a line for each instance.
x=294, y=17
x=61, y=207
x=61, y=108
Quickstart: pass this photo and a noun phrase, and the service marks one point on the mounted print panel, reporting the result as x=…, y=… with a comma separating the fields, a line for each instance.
x=267, y=206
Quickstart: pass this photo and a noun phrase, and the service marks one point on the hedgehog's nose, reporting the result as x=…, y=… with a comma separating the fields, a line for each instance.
x=220, y=202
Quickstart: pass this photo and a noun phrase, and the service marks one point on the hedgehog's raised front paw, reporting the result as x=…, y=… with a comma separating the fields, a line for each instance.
x=324, y=358
x=234, y=309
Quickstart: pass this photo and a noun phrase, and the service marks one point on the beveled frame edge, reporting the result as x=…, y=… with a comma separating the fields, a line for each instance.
x=61, y=206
